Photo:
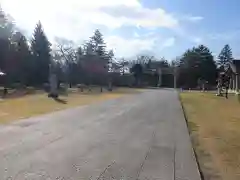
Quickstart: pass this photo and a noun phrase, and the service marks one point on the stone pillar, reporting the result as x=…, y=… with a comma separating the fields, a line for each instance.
x=53, y=83
x=175, y=77
x=159, y=77
x=175, y=80
x=233, y=83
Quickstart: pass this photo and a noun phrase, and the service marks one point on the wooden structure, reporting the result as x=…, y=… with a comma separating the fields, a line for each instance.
x=163, y=76
x=169, y=77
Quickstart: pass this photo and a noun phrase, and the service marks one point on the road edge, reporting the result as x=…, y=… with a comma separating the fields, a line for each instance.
x=193, y=149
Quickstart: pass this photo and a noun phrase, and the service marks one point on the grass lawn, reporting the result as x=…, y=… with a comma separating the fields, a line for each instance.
x=214, y=123
x=39, y=103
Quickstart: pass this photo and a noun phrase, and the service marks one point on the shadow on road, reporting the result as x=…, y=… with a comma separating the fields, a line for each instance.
x=62, y=101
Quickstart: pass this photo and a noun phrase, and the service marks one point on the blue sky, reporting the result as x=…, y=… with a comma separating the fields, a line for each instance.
x=219, y=24
x=130, y=27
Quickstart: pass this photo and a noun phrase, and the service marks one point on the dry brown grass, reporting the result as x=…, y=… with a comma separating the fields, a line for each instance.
x=36, y=104
x=215, y=129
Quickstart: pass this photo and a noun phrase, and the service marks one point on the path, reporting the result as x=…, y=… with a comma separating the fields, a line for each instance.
x=141, y=137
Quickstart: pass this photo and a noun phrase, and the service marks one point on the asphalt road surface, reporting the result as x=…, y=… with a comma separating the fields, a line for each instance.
x=137, y=137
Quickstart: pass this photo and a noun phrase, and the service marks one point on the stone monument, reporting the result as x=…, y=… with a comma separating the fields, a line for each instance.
x=52, y=83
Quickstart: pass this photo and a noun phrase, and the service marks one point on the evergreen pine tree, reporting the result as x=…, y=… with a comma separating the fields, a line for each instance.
x=99, y=44
x=225, y=56
x=25, y=66
x=40, y=47
x=5, y=35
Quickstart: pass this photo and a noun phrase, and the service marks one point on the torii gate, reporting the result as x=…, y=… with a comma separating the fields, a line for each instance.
x=169, y=70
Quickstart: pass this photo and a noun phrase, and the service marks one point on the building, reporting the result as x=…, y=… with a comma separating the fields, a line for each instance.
x=234, y=69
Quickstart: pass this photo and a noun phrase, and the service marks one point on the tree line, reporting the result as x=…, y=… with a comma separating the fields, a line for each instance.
x=29, y=62
x=23, y=61
x=198, y=63
x=194, y=64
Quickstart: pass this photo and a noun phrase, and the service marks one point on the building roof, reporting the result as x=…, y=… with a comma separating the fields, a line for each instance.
x=235, y=66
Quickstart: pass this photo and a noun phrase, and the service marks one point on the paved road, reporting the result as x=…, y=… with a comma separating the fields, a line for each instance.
x=140, y=137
